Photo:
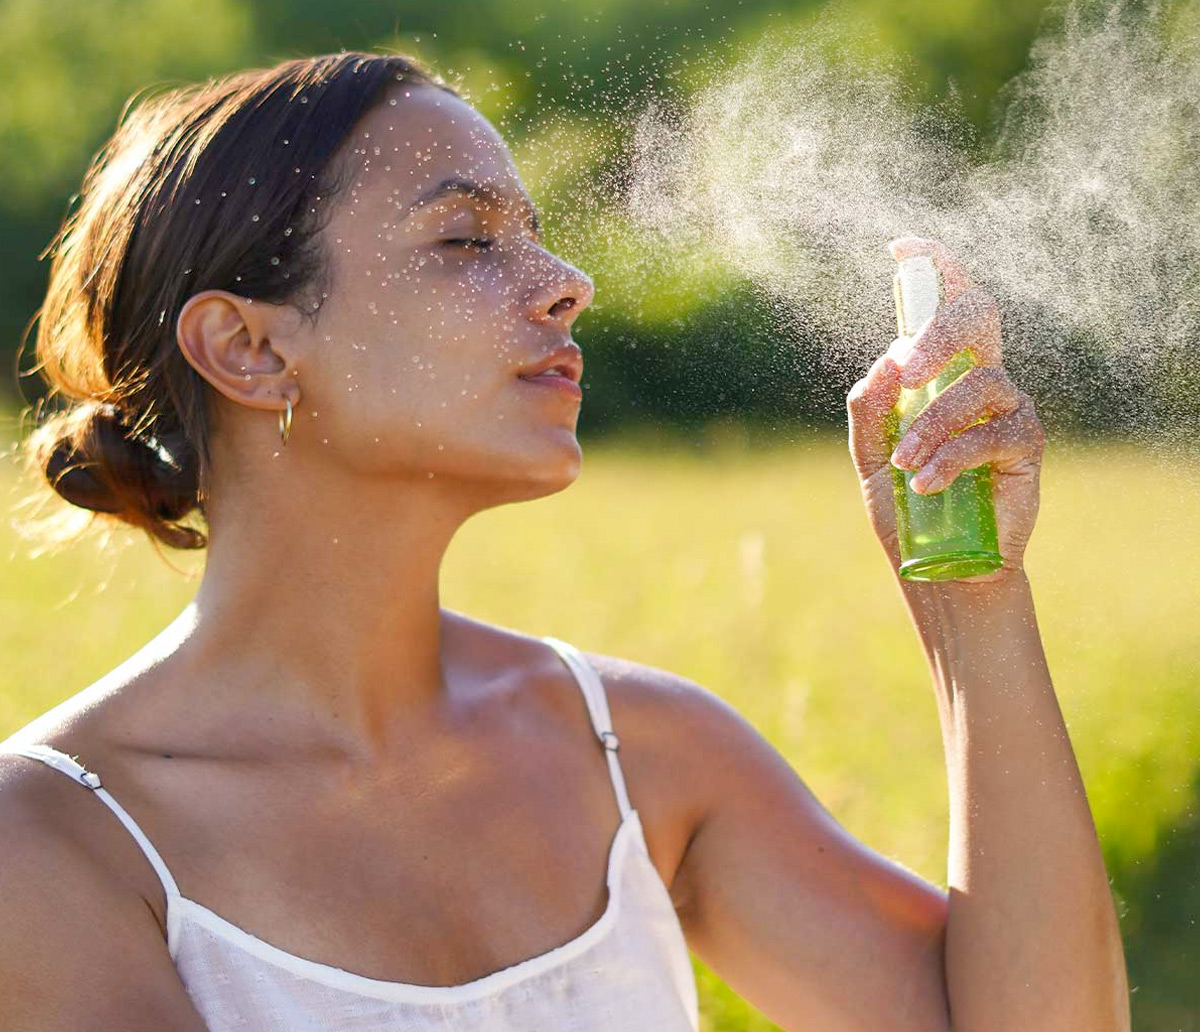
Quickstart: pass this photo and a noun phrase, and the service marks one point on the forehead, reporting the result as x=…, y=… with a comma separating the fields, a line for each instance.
x=427, y=136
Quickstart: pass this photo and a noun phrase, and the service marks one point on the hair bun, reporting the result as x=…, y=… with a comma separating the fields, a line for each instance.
x=96, y=433
x=95, y=460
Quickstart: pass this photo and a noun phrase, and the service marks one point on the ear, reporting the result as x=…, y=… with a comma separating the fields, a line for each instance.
x=226, y=339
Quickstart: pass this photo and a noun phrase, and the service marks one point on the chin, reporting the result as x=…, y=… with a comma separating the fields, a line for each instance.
x=554, y=473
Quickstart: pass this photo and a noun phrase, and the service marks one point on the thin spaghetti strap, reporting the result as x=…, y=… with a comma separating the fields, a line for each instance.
x=597, y=705
x=62, y=762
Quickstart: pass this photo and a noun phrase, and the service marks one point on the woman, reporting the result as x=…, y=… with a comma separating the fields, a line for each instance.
x=341, y=805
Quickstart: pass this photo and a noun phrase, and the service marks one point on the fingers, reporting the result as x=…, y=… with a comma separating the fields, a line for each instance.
x=1005, y=442
x=971, y=321
x=956, y=281
x=980, y=393
x=868, y=405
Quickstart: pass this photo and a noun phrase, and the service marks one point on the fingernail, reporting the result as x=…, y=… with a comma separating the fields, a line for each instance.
x=904, y=451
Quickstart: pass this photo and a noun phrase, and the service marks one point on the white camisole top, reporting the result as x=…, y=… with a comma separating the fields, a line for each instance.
x=630, y=971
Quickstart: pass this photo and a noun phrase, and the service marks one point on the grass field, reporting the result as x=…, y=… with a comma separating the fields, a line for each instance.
x=753, y=572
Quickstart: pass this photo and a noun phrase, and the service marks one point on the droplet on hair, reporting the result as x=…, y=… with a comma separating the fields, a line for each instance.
x=253, y=218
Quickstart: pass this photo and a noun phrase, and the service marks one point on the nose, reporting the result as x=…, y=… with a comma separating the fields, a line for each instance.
x=562, y=295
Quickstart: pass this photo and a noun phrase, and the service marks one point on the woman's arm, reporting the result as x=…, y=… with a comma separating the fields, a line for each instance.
x=1032, y=940
x=815, y=928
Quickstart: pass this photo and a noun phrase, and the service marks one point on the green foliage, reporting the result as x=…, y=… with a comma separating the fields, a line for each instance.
x=552, y=76
x=68, y=67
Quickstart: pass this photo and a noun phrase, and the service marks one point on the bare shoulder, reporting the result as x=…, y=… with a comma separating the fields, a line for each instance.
x=676, y=736
x=670, y=708
x=690, y=728
x=79, y=946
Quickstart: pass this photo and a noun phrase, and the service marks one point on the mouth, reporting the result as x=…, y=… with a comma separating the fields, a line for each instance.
x=565, y=362
x=555, y=381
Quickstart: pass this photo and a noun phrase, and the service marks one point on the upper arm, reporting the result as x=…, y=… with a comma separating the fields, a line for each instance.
x=79, y=949
x=809, y=924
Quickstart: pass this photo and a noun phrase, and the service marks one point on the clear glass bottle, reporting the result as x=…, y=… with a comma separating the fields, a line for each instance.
x=951, y=534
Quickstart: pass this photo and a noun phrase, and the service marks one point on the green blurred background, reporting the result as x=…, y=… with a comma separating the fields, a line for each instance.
x=771, y=592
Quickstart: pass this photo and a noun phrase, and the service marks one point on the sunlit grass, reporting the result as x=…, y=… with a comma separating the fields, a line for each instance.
x=753, y=572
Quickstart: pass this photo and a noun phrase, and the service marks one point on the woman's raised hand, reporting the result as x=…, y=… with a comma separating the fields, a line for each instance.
x=939, y=444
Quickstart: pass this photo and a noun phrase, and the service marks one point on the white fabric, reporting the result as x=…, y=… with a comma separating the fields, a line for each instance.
x=630, y=971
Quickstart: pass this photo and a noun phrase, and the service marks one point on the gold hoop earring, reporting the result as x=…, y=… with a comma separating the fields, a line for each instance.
x=285, y=422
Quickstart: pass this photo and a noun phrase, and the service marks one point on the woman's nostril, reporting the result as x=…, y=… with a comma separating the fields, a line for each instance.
x=562, y=305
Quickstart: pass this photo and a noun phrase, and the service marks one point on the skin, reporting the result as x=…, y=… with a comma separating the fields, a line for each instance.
x=321, y=695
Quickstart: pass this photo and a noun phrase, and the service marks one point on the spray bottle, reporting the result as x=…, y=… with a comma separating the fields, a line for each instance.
x=951, y=534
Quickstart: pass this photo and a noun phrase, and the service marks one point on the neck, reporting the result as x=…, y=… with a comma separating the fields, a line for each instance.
x=332, y=619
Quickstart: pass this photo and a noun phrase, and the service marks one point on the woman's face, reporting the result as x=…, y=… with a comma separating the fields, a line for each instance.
x=411, y=367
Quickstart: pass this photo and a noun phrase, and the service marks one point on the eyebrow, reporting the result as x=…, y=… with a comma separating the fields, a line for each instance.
x=482, y=193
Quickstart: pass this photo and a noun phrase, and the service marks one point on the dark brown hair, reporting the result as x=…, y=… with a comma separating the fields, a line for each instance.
x=220, y=185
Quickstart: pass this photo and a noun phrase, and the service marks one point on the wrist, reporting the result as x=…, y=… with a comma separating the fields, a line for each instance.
x=970, y=606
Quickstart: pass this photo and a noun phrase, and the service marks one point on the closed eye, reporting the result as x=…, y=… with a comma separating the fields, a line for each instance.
x=480, y=242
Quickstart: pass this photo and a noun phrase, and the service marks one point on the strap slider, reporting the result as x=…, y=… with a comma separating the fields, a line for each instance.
x=90, y=779
x=615, y=743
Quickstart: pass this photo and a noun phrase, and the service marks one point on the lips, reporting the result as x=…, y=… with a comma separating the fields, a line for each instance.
x=567, y=360
x=554, y=382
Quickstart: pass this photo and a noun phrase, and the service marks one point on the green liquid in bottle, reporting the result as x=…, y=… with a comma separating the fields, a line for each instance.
x=951, y=534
